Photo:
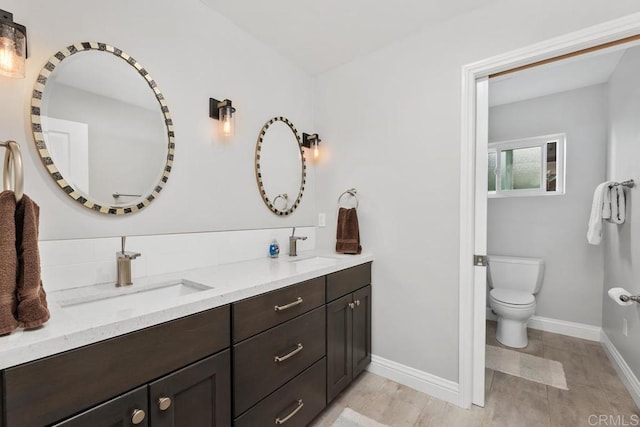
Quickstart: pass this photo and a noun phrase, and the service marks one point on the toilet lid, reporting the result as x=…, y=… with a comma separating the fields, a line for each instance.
x=509, y=296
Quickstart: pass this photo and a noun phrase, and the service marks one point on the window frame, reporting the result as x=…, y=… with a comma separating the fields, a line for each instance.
x=536, y=141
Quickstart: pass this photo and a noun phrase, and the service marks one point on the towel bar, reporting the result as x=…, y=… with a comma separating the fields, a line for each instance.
x=628, y=183
x=625, y=298
x=117, y=195
x=13, y=163
x=353, y=193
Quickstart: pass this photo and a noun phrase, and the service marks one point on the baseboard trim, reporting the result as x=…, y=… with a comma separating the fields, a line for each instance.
x=419, y=380
x=563, y=327
x=624, y=371
x=572, y=329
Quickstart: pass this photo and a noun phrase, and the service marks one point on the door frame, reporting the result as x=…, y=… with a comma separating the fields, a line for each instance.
x=472, y=232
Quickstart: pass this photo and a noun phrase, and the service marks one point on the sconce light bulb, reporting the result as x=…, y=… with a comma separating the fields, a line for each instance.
x=7, y=54
x=316, y=152
x=226, y=126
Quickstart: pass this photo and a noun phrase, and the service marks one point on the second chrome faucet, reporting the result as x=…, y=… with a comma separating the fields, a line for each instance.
x=124, y=264
x=293, y=242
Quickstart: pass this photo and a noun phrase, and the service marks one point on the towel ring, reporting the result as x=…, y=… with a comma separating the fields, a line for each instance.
x=283, y=196
x=351, y=192
x=13, y=163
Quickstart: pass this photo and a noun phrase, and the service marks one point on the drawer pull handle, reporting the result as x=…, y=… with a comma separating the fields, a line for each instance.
x=295, y=411
x=137, y=416
x=286, y=306
x=164, y=403
x=298, y=349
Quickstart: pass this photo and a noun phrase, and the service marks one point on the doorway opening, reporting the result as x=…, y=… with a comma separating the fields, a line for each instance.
x=478, y=82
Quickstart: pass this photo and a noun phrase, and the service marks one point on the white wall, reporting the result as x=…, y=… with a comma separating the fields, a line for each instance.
x=622, y=243
x=390, y=124
x=554, y=227
x=193, y=53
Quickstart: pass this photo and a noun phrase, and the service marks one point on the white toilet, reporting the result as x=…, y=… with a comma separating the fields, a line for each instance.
x=514, y=282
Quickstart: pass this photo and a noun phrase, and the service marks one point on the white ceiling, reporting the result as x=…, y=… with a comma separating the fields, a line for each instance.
x=323, y=34
x=580, y=71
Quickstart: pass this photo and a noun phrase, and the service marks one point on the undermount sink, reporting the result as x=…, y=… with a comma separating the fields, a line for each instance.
x=316, y=261
x=107, y=299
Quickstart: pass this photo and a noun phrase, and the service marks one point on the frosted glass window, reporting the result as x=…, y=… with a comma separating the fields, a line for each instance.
x=526, y=167
x=520, y=168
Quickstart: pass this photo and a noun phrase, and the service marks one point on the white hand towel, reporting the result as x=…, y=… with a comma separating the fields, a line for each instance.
x=594, y=232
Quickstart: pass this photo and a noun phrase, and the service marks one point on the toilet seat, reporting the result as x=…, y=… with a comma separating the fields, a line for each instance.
x=511, y=297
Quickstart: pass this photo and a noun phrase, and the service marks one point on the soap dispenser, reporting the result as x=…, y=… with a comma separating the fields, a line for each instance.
x=274, y=249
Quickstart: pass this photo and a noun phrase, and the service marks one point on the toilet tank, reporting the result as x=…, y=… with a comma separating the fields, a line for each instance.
x=516, y=273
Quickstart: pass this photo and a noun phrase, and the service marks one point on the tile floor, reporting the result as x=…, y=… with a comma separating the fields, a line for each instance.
x=594, y=389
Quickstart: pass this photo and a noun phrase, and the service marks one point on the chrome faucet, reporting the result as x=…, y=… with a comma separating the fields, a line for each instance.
x=124, y=264
x=293, y=242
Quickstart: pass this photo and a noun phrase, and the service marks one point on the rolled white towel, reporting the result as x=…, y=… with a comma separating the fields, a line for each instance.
x=594, y=232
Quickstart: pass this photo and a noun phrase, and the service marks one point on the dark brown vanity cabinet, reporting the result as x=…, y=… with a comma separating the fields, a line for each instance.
x=279, y=370
x=180, y=359
x=348, y=327
x=276, y=358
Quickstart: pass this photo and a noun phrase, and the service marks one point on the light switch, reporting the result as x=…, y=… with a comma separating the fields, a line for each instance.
x=322, y=220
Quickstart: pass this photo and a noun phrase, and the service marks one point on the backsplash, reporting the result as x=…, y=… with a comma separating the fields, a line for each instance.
x=82, y=262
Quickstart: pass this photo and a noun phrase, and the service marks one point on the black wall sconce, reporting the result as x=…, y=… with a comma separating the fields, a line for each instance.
x=311, y=141
x=223, y=111
x=13, y=46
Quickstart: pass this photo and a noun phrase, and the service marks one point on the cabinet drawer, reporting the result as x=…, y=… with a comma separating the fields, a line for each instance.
x=256, y=370
x=302, y=399
x=257, y=314
x=50, y=389
x=346, y=281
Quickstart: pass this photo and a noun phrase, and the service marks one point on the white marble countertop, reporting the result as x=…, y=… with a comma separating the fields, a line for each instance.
x=223, y=284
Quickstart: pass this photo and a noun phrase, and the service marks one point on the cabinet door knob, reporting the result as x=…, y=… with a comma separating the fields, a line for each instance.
x=137, y=416
x=351, y=305
x=358, y=302
x=164, y=403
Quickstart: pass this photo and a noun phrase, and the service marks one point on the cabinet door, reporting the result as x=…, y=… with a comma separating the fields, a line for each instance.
x=361, y=330
x=339, y=346
x=128, y=410
x=196, y=396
